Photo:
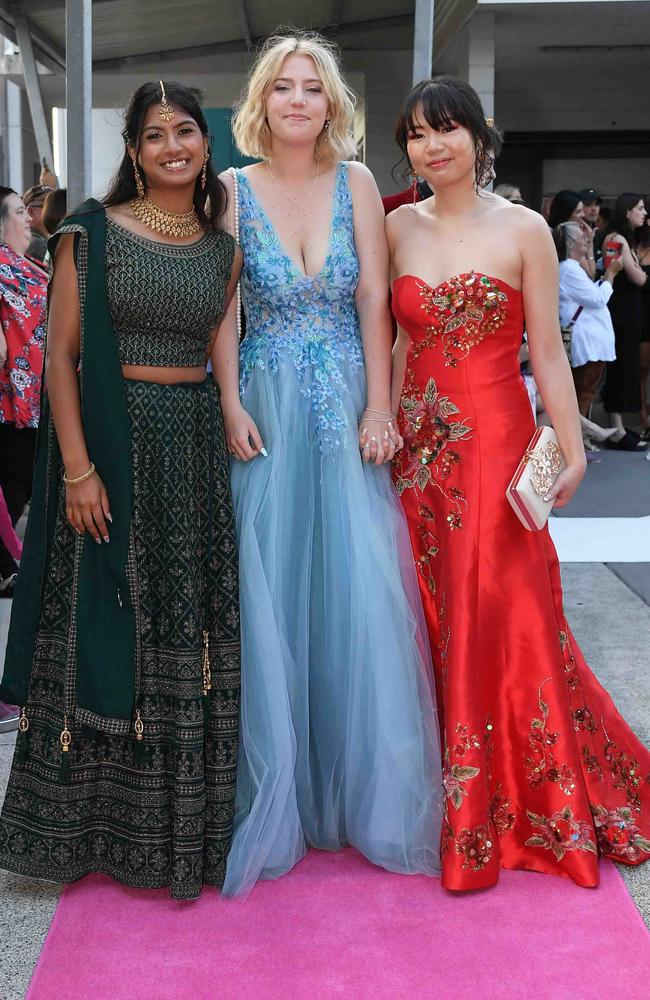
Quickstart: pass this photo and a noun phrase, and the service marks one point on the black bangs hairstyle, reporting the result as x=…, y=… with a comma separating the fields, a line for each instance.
x=444, y=100
x=209, y=203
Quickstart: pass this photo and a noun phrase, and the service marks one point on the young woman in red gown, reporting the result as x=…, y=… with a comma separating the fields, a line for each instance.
x=541, y=772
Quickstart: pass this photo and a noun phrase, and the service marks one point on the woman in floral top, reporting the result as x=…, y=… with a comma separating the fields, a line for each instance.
x=23, y=297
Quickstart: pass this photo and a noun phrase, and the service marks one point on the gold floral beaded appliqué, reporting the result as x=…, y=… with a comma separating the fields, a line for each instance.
x=561, y=832
x=428, y=456
x=541, y=763
x=466, y=309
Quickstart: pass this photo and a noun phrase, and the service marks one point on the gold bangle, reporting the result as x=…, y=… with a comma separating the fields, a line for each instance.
x=80, y=479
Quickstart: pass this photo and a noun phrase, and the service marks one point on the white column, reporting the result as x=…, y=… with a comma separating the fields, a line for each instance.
x=33, y=86
x=477, y=62
x=78, y=90
x=14, y=121
x=423, y=40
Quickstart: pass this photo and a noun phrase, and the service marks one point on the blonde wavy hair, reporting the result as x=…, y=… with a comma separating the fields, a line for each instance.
x=249, y=125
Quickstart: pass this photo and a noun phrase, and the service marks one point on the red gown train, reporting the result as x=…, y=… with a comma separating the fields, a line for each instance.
x=541, y=772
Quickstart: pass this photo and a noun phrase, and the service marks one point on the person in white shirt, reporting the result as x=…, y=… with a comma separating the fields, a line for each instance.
x=585, y=302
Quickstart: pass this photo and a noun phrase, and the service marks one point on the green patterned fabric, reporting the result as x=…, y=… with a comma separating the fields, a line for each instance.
x=102, y=628
x=197, y=279
x=155, y=811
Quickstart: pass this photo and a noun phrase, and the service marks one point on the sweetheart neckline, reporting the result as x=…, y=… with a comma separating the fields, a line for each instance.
x=461, y=274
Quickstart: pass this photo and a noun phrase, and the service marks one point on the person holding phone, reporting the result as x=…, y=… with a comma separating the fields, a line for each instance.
x=584, y=304
x=622, y=393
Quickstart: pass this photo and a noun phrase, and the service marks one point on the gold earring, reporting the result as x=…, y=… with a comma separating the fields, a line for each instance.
x=139, y=186
x=204, y=172
x=327, y=124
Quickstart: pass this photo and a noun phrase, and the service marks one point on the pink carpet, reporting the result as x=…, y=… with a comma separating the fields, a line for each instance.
x=338, y=928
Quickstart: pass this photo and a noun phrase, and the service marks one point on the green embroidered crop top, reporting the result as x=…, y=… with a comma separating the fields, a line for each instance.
x=165, y=300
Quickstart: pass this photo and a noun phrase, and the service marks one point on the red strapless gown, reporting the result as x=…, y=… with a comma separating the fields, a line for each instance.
x=541, y=771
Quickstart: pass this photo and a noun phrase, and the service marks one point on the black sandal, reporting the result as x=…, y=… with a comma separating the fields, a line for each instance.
x=629, y=442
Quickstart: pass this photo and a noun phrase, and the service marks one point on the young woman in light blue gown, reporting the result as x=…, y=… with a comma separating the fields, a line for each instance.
x=339, y=736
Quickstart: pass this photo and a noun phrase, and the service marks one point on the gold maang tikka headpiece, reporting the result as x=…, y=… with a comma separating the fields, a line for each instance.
x=166, y=111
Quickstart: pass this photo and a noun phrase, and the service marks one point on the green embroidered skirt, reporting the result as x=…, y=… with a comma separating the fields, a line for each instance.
x=155, y=811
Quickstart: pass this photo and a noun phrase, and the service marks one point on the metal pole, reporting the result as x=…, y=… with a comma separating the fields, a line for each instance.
x=423, y=40
x=245, y=24
x=32, y=83
x=78, y=103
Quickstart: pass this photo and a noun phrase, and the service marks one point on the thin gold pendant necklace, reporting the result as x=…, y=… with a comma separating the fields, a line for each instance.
x=300, y=207
x=180, y=225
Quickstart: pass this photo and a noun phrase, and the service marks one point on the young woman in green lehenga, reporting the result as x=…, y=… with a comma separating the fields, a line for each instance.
x=124, y=642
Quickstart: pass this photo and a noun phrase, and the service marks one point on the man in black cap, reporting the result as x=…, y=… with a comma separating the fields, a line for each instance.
x=591, y=202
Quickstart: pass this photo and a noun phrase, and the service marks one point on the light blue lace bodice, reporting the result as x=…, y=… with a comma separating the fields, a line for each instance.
x=310, y=322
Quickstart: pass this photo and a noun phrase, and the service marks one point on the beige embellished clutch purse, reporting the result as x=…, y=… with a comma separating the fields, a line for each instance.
x=539, y=468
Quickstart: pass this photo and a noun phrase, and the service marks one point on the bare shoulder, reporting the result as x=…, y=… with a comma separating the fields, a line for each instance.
x=528, y=220
x=227, y=180
x=119, y=212
x=525, y=227
x=360, y=178
x=65, y=247
x=360, y=172
x=399, y=218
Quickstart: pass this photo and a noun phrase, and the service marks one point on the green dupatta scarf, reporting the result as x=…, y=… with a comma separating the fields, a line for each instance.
x=100, y=670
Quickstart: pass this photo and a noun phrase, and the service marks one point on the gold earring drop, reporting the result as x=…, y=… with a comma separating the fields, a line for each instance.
x=139, y=186
x=204, y=172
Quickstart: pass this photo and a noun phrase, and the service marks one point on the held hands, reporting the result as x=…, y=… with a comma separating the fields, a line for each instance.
x=242, y=436
x=566, y=484
x=378, y=437
x=87, y=508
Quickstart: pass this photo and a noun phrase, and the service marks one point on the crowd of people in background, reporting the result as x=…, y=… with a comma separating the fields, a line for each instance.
x=26, y=223
x=604, y=254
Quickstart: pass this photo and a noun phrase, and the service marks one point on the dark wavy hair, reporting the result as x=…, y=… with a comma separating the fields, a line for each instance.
x=563, y=206
x=54, y=209
x=618, y=222
x=642, y=235
x=209, y=203
x=446, y=99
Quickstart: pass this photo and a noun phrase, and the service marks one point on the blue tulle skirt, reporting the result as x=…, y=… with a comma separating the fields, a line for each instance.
x=339, y=739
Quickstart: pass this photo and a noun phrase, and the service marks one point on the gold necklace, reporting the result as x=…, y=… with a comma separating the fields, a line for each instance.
x=180, y=225
x=300, y=207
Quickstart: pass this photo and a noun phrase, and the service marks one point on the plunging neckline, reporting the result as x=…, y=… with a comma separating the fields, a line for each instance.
x=267, y=222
